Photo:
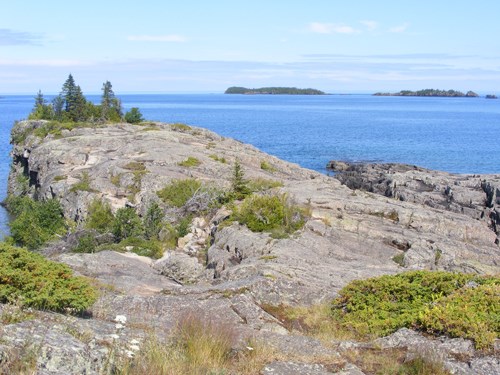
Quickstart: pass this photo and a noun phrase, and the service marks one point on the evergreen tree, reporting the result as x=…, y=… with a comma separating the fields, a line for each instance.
x=68, y=93
x=78, y=111
x=58, y=107
x=107, y=100
x=41, y=110
x=239, y=185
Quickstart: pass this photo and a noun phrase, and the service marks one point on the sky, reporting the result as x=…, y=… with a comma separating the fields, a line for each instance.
x=190, y=46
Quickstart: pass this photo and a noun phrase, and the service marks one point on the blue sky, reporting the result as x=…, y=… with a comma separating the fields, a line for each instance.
x=207, y=46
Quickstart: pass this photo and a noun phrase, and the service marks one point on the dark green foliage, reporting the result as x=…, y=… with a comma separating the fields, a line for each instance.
x=270, y=213
x=239, y=185
x=72, y=106
x=41, y=110
x=273, y=91
x=153, y=221
x=36, y=222
x=134, y=116
x=127, y=224
x=32, y=280
x=86, y=244
x=110, y=105
x=178, y=192
x=99, y=217
x=435, y=301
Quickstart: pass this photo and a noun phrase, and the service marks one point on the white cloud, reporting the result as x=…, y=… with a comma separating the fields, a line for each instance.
x=370, y=25
x=330, y=28
x=400, y=28
x=157, y=38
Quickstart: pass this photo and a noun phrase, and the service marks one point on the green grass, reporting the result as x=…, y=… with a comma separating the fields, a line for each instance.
x=219, y=159
x=30, y=279
x=189, y=162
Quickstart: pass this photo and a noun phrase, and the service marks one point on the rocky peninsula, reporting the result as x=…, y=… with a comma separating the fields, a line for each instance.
x=431, y=92
x=366, y=221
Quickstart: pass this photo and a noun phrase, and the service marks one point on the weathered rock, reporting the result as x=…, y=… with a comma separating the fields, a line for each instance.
x=293, y=368
x=179, y=267
x=420, y=219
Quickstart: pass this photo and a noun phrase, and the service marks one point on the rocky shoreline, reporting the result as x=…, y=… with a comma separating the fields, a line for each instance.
x=361, y=221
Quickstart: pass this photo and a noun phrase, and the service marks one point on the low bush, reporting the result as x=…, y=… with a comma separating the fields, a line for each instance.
x=35, y=222
x=270, y=213
x=99, y=217
x=32, y=280
x=139, y=246
x=127, y=224
x=178, y=192
x=455, y=304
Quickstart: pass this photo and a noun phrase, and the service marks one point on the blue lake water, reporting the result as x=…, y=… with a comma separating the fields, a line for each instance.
x=460, y=135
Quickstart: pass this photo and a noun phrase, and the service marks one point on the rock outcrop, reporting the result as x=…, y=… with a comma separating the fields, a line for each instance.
x=359, y=227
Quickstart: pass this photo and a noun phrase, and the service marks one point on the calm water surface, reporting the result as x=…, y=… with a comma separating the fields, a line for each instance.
x=460, y=135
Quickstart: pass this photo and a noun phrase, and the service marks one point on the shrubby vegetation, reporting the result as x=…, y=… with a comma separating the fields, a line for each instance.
x=459, y=305
x=274, y=213
x=31, y=280
x=35, y=222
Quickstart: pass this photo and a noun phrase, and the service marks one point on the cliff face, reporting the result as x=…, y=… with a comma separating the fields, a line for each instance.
x=351, y=234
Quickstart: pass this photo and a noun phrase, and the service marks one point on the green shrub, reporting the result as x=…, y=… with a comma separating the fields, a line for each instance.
x=178, y=192
x=153, y=221
x=239, y=185
x=34, y=281
x=470, y=312
x=270, y=213
x=100, y=217
x=127, y=224
x=134, y=116
x=219, y=159
x=433, y=301
x=86, y=244
x=190, y=162
x=36, y=222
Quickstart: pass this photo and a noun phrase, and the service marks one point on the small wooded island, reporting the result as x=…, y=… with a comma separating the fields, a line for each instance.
x=273, y=91
x=431, y=92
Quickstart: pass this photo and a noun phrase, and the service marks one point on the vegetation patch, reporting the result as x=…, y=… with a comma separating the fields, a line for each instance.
x=271, y=213
x=264, y=165
x=178, y=192
x=35, y=222
x=455, y=304
x=217, y=158
x=99, y=216
x=182, y=128
x=135, y=166
x=190, y=162
x=83, y=184
x=32, y=280
x=263, y=184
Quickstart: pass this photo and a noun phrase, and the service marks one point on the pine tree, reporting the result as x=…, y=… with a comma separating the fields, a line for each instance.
x=68, y=93
x=239, y=185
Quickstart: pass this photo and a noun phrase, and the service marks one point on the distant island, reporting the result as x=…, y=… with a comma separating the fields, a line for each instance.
x=490, y=96
x=273, y=91
x=431, y=92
